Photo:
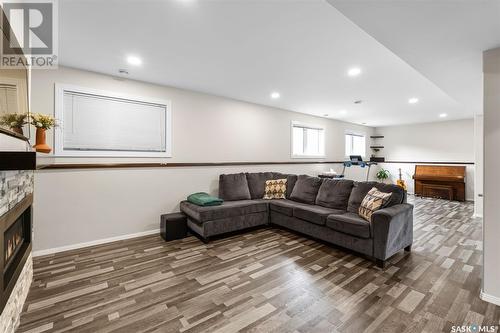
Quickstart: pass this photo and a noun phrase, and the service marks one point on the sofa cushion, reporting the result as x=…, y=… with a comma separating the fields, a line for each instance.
x=349, y=223
x=360, y=190
x=284, y=207
x=306, y=189
x=226, y=210
x=257, y=183
x=291, y=180
x=314, y=214
x=234, y=187
x=334, y=193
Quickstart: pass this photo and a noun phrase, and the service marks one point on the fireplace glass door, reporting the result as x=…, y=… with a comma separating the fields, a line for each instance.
x=13, y=240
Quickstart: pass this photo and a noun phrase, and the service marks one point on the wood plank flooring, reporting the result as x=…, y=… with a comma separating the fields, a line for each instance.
x=268, y=280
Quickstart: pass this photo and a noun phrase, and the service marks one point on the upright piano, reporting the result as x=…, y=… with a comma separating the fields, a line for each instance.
x=440, y=181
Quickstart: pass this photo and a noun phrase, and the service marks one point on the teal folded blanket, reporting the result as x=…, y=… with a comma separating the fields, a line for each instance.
x=204, y=199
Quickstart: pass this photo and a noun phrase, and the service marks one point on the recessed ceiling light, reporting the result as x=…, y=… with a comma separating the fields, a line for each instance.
x=343, y=111
x=133, y=60
x=355, y=71
x=413, y=100
x=275, y=95
x=443, y=115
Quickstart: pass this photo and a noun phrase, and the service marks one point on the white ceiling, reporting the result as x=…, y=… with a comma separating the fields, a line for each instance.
x=245, y=49
x=442, y=39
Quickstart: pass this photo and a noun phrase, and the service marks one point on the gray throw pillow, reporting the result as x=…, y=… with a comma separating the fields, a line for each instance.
x=233, y=187
x=305, y=189
x=290, y=184
x=334, y=193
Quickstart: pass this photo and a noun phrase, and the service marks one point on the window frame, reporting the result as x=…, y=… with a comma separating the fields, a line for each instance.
x=353, y=133
x=310, y=126
x=60, y=89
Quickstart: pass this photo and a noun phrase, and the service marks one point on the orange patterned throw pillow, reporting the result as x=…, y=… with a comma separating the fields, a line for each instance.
x=373, y=201
x=275, y=189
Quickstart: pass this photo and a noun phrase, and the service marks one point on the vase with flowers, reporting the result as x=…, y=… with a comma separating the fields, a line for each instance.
x=14, y=121
x=42, y=122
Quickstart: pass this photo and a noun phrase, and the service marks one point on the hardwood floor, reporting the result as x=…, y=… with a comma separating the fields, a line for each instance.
x=268, y=280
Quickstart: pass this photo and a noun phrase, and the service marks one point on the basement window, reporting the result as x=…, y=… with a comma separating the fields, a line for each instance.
x=104, y=124
x=308, y=141
x=355, y=144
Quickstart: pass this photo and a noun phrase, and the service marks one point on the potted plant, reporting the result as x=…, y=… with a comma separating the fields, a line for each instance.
x=382, y=175
x=42, y=122
x=14, y=121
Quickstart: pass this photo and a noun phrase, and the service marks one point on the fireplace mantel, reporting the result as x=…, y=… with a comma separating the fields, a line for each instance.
x=17, y=160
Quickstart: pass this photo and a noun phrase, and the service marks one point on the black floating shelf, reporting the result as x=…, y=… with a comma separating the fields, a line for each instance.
x=377, y=136
x=15, y=160
x=376, y=147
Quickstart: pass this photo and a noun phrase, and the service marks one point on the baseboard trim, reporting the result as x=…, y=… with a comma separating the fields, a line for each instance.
x=466, y=199
x=476, y=215
x=489, y=298
x=39, y=253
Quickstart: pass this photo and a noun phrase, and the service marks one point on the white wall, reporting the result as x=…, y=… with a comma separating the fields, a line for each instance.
x=77, y=206
x=442, y=141
x=491, y=225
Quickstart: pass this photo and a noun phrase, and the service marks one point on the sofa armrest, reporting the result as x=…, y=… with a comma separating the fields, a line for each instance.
x=392, y=229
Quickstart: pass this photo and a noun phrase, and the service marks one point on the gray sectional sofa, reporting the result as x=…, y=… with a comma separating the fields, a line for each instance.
x=325, y=209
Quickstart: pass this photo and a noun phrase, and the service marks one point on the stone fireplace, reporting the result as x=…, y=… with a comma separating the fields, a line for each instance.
x=16, y=268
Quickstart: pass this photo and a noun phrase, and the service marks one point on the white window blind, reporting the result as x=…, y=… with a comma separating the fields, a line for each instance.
x=104, y=125
x=8, y=98
x=307, y=141
x=355, y=144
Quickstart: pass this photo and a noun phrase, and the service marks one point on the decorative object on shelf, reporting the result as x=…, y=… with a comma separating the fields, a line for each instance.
x=14, y=121
x=383, y=174
x=374, y=158
x=376, y=147
x=42, y=122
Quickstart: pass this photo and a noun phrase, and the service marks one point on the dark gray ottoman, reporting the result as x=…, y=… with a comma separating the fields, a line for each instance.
x=173, y=226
